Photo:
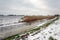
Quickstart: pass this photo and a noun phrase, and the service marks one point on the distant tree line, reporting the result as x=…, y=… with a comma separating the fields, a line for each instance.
x=11, y=15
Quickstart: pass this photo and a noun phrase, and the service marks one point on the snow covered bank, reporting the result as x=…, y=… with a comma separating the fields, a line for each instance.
x=52, y=30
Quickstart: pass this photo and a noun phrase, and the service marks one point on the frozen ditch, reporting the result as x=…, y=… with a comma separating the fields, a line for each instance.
x=34, y=27
x=12, y=29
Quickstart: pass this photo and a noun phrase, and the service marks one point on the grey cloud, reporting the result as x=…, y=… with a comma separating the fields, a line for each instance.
x=14, y=3
x=9, y=4
x=53, y=4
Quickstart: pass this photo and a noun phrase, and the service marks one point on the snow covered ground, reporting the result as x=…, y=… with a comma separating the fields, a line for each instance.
x=52, y=30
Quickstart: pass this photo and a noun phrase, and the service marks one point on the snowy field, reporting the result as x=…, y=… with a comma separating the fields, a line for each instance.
x=52, y=30
x=7, y=20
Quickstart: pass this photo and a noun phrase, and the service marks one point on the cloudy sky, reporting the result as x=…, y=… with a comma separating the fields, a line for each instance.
x=29, y=7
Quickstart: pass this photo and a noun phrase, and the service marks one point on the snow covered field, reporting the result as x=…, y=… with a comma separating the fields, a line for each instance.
x=7, y=20
x=52, y=30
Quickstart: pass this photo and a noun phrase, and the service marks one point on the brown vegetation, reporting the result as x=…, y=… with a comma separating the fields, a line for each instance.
x=30, y=19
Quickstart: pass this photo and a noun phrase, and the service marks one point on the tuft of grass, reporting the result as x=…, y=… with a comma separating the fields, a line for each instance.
x=51, y=38
x=12, y=37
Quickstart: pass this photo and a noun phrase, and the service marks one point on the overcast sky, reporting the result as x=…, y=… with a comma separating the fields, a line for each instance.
x=30, y=7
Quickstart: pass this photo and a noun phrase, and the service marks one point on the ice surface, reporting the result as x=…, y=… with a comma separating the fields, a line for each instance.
x=11, y=29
